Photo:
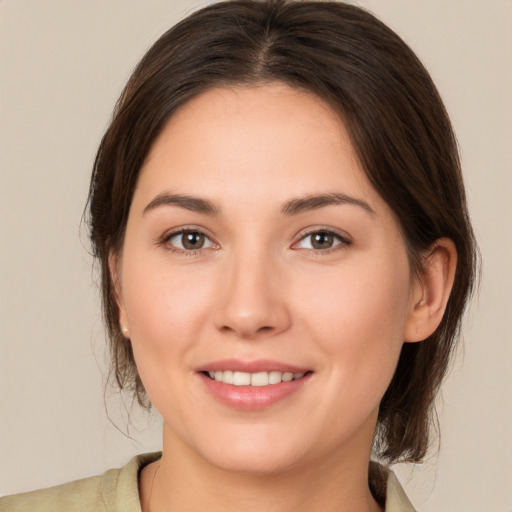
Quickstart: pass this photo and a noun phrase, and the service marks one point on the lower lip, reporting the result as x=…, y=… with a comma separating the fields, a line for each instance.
x=252, y=398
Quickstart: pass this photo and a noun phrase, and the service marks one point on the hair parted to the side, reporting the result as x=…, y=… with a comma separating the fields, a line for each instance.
x=398, y=126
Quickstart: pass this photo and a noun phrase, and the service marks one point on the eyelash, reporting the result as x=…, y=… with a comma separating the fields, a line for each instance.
x=342, y=241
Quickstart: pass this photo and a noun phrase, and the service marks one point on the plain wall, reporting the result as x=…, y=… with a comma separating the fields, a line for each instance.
x=63, y=64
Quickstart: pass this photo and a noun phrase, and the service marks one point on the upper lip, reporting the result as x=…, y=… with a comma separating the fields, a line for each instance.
x=259, y=365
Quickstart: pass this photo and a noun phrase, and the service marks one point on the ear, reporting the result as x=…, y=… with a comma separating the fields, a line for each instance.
x=431, y=291
x=113, y=265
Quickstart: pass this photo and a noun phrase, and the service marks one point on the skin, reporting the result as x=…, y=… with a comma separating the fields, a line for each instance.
x=258, y=289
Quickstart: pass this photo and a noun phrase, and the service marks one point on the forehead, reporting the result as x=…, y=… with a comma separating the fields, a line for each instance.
x=241, y=139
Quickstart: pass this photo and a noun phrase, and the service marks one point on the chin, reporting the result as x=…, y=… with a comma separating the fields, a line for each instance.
x=252, y=451
x=251, y=462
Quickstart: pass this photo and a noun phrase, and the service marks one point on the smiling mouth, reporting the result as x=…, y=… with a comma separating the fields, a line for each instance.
x=257, y=379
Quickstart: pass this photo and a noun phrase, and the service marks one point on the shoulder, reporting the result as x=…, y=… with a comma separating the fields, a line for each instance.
x=117, y=489
x=78, y=495
x=387, y=490
x=396, y=499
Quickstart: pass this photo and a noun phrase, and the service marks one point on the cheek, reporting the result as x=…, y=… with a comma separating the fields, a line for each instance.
x=160, y=299
x=166, y=314
x=166, y=311
x=359, y=319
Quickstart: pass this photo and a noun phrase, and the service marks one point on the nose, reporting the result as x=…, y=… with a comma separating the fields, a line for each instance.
x=253, y=302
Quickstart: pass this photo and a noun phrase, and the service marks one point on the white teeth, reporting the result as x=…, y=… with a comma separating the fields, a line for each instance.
x=254, y=379
x=241, y=379
x=227, y=377
x=274, y=377
x=259, y=379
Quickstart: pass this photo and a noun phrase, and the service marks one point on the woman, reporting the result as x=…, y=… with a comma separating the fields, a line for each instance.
x=278, y=210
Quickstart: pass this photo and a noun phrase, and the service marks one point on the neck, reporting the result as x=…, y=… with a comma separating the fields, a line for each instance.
x=184, y=481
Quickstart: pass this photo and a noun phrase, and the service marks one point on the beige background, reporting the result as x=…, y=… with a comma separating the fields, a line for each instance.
x=63, y=63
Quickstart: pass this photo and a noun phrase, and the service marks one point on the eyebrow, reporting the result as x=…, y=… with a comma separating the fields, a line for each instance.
x=292, y=207
x=191, y=203
x=313, y=202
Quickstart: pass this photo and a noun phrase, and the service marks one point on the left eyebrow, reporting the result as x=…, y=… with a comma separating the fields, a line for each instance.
x=304, y=204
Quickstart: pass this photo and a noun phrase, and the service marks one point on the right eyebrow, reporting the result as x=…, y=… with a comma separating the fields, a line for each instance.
x=195, y=204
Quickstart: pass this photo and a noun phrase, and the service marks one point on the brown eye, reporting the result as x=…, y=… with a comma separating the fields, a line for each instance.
x=322, y=240
x=192, y=240
x=189, y=241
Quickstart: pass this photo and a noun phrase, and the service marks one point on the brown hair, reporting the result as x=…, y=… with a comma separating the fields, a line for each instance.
x=398, y=126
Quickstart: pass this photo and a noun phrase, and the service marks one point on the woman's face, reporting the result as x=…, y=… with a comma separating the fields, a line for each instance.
x=256, y=251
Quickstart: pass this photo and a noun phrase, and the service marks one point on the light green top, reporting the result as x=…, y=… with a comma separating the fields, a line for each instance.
x=117, y=491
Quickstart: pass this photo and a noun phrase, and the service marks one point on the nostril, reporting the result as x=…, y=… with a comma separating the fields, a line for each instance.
x=247, y=331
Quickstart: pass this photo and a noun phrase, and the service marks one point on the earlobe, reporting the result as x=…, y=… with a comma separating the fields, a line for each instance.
x=430, y=297
x=113, y=264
